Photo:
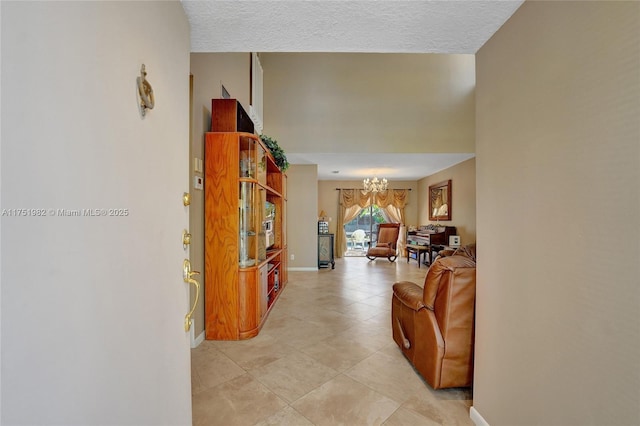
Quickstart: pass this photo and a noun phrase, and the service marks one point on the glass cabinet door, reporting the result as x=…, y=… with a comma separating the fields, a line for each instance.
x=247, y=158
x=262, y=165
x=247, y=250
x=265, y=230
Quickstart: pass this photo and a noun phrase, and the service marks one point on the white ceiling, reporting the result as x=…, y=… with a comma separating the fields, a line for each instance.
x=414, y=26
x=391, y=166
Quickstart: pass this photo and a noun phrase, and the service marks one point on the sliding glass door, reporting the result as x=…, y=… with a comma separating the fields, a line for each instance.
x=363, y=230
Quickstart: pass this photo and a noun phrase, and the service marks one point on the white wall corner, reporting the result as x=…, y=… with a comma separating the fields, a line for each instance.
x=257, y=89
x=257, y=120
x=195, y=341
x=477, y=418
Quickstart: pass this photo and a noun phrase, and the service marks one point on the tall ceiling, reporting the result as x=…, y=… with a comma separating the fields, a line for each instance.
x=414, y=26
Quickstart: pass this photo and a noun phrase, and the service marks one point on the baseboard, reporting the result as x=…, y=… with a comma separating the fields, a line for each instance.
x=307, y=269
x=195, y=341
x=477, y=418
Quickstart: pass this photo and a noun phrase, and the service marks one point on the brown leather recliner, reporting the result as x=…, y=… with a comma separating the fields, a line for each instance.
x=434, y=325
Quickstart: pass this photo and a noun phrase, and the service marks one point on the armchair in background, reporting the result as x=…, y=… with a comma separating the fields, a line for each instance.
x=387, y=242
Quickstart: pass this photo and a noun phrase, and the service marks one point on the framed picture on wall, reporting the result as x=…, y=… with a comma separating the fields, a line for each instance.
x=440, y=201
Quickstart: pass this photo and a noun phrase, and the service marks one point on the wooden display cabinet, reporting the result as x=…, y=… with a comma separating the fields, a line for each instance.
x=245, y=242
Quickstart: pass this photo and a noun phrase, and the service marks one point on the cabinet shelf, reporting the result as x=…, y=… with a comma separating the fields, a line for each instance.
x=267, y=188
x=272, y=253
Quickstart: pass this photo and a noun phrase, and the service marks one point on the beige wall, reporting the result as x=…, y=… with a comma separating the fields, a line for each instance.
x=209, y=71
x=463, y=203
x=302, y=216
x=558, y=178
x=335, y=102
x=93, y=306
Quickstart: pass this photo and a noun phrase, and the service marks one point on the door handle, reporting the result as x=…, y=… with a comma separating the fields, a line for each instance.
x=187, y=276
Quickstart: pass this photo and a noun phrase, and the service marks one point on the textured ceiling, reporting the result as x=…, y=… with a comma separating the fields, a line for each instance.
x=415, y=26
x=445, y=26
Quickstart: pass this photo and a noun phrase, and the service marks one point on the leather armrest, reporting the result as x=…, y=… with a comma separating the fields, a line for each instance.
x=410, y=294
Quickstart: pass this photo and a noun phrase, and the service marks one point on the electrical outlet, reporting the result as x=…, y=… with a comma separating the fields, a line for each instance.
x=293, y=257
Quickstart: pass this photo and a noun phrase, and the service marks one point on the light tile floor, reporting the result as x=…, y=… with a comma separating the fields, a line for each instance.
x=325, y=356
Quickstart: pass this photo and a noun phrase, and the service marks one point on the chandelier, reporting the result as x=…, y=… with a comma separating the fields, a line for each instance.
x=375, y=185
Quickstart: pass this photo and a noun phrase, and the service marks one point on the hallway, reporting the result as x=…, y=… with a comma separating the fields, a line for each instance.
x=325, y=356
